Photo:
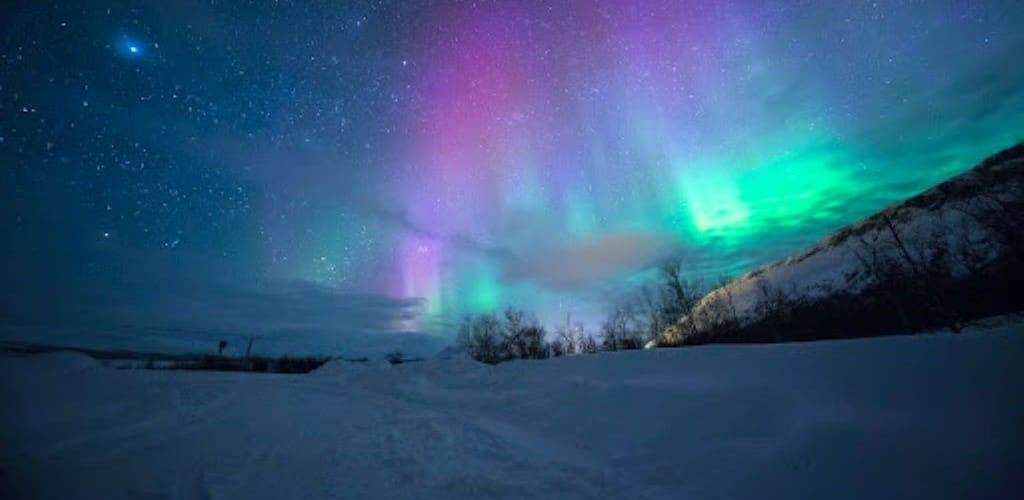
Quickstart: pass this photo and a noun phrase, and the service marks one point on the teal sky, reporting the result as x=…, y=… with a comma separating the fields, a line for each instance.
x=334, y=175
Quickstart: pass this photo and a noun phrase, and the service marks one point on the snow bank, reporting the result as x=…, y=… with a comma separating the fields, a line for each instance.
x=341, y=367
x=932, y=416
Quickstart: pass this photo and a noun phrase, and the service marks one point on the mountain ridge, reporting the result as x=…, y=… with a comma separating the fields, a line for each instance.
x=975, y=214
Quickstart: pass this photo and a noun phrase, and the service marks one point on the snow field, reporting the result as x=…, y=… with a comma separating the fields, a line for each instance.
x=928, y=416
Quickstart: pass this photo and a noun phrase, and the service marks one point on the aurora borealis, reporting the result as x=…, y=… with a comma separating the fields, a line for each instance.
x=409, y=162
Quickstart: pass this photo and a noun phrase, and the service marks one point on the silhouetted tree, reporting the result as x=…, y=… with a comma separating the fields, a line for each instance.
x=621, y=330
x=586, y=343
x=774, y=309
x=481, y=337
x=524, y=336
x=557, y=348
x=564, y=335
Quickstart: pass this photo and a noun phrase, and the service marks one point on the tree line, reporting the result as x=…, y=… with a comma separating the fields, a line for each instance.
x=633, y=323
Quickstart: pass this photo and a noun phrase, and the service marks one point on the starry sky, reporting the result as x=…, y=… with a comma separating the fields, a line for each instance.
x=343, y=176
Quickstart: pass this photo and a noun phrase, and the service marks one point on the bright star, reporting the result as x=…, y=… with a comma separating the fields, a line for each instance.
x=131, y=47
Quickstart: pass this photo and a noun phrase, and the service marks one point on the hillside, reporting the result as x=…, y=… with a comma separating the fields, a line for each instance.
x=950, y=254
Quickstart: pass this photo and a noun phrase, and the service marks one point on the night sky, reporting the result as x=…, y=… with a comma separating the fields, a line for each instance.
x=325, y=175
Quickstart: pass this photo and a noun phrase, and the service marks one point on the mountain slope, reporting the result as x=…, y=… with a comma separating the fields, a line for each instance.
x=930, y=255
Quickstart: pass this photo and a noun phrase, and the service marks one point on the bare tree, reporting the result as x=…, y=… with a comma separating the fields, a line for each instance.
x=481, y=337
x=968, y=252
x=681, y=294
x=557, y=348
x=910, y=274
x=774, y=308
x=926, y=271
x=568, y=340
x=566, y=336
x=1002, y=218
x=514, y=340
x=880, y=270
x=524, y=336
x=621, y=330
x=730, y=305
x=586, y=343
x=654, y=307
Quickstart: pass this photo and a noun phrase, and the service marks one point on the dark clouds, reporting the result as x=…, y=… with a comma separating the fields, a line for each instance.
x=110, y=294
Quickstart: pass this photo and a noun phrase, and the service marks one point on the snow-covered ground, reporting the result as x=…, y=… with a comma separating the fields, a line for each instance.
x=936, y=416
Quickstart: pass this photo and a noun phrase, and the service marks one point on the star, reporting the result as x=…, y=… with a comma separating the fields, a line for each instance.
x=130, y=47
x=335, y=155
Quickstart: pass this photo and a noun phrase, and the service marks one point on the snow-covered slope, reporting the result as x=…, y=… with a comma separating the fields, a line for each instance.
x=948, y=212
x=930, y=417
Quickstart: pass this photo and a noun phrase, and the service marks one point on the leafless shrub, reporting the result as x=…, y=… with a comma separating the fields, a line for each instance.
x=622, y=329
x=481, y=337
x=557, y=348
x=517, y=335
x=586, y=343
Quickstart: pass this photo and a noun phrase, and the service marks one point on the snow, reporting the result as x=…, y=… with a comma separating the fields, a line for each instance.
x=829, y=262
x=927, y=416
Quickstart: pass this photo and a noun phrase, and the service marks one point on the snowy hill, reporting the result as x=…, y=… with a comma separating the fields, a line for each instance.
x=962, y=237
x=933, y=417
